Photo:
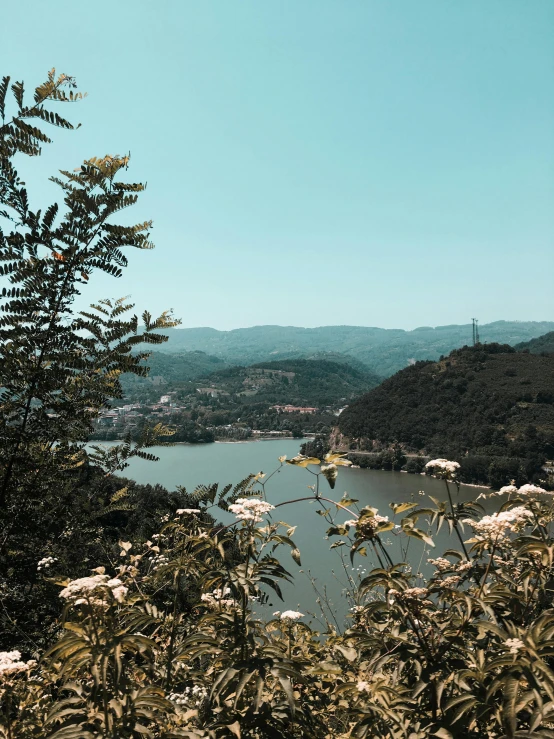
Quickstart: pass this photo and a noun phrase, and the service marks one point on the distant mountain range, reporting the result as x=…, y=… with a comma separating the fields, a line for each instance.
x=384, y=351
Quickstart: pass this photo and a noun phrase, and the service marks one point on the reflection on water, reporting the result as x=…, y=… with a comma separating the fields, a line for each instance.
x=324, y=573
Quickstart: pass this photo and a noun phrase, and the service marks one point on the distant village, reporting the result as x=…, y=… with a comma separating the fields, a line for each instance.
x=114, y=422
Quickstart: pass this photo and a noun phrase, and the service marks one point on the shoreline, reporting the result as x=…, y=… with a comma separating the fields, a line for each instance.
x=206, y=443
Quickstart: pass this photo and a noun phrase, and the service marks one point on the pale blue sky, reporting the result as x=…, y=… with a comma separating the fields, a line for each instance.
x=375, y=162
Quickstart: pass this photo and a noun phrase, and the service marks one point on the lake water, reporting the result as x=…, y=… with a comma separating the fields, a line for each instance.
x=323, y=572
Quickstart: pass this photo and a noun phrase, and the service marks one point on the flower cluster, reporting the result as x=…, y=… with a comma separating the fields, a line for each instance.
x=190, y=697
x=514, y=645
x=497, y=525
x=158, y=561
x=45, y=563
x=443, y=468
x=415, y=593
x=410, y=593
x=187, y=511
x=11, y=664
x=528, y=490
x=508, y=490
x=93, y=590
x=362, y=686
x=444, y=565
x=218, y=597
x=289, y=616
x=532, y=490
x=250, y=509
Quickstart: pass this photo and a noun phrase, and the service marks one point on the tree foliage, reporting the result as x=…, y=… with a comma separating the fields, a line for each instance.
x=58, y=368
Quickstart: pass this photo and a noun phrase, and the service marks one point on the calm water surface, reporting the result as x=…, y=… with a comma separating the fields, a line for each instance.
x=231, y=462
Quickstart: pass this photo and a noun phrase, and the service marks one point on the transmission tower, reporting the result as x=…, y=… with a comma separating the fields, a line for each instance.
x=475, y=331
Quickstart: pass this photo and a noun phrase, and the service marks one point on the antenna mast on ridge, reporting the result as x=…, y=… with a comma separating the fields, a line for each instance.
x=475, y=331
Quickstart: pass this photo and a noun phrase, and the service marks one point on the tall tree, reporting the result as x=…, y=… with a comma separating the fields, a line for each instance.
x=59, y=367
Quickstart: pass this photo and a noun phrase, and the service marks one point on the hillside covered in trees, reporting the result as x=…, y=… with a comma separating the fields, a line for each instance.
x=487, y=405
x=171, y=369
x=234, y=402
x=312, y=382
x=541, y=345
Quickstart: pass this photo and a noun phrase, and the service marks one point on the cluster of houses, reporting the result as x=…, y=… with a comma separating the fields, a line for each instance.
x=130, y=413
x=294, y=409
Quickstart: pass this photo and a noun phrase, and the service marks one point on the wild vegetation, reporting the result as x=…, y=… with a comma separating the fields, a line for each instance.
x=488, y=406
x=164, y=629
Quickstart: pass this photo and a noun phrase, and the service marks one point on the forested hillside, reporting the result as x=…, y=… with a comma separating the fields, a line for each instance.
x=541, y=345
x=168, y=369
x=486, y=403
x=385, y=351
x=312, y=382
x=201, y=405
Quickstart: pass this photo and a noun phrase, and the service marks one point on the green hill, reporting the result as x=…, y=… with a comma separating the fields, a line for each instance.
x=171, y=369
x=384, y=351
x=482, y=403
x=541, y=345
x=301, y=382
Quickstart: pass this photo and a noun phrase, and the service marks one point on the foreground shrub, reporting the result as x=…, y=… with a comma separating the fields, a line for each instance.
x=466, y=651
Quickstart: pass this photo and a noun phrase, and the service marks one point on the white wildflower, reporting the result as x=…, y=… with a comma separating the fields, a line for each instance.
x=532, y=490
x=11, y=664
x=190, y=697
x=508, y=490
x=291, y=616
x=250, y=509
x=93, y=590
x=158, y=561
x=218, y=598
x=498, y=525
x=362, y=686
x=451, y=582
x=45, y=563
x=441, y=563
x=514, y=645
x=443, y=468
x=353, y=522
x=119, y=591
x=187, y=511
